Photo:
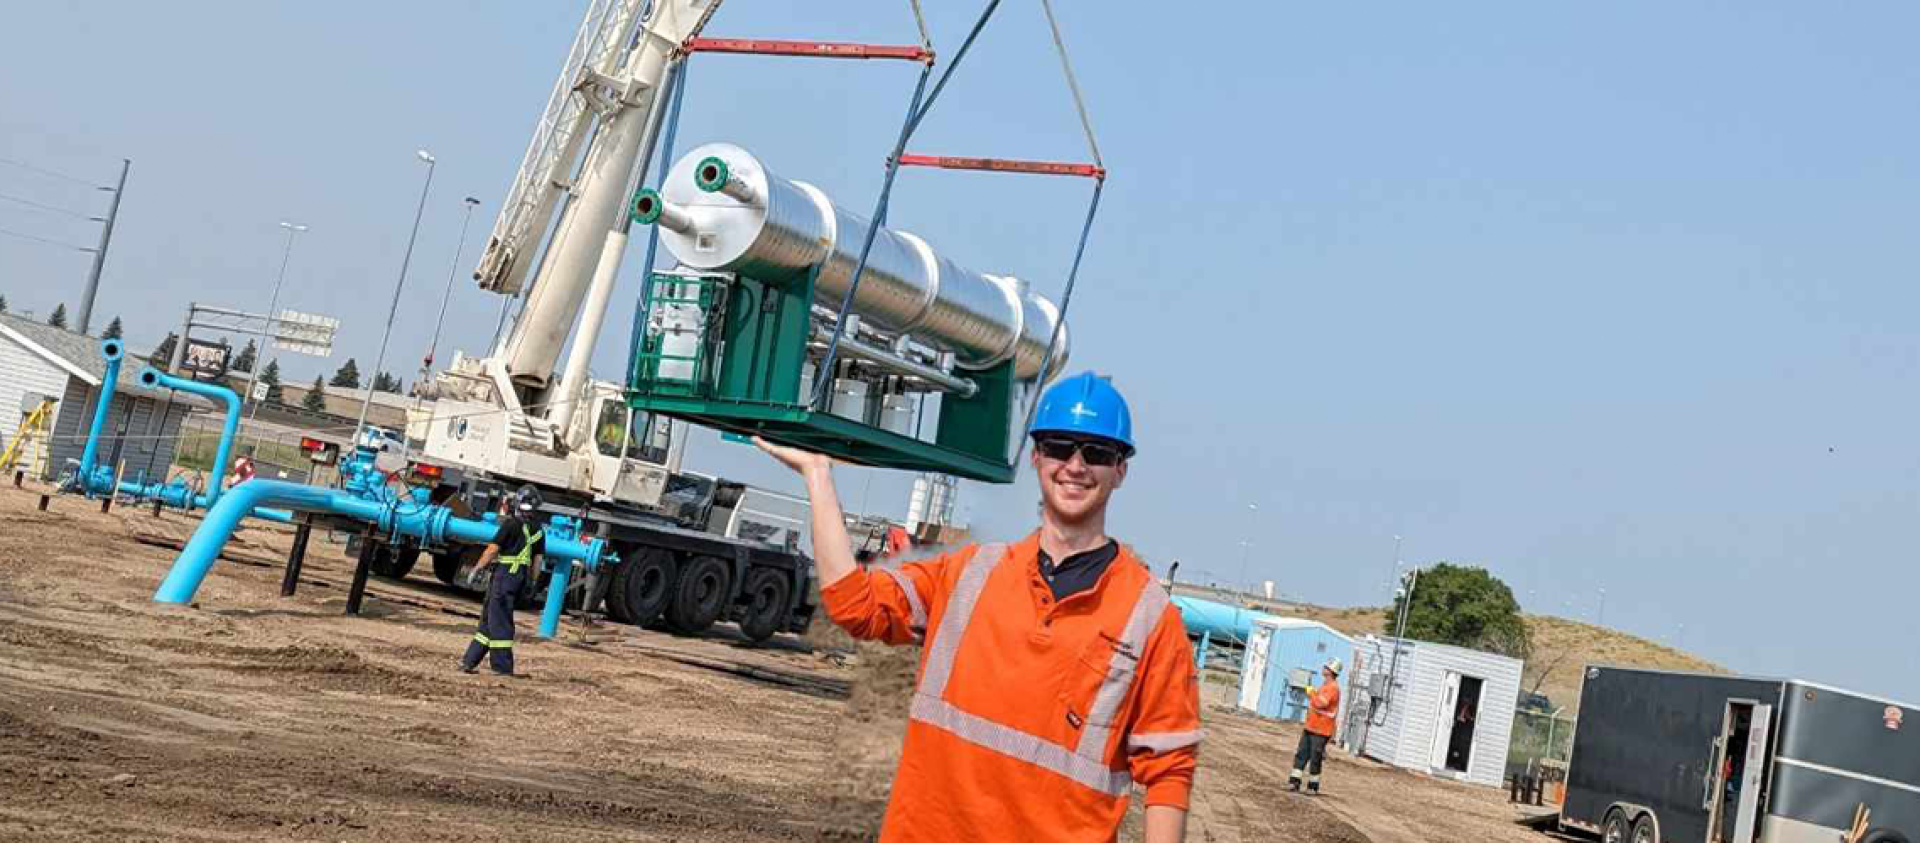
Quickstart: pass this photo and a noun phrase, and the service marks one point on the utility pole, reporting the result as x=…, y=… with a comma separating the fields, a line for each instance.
x=1405, y=594
x=100, y=254
x=1396, y=559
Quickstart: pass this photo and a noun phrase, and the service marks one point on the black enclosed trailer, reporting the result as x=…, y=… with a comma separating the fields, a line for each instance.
x=1671, y=757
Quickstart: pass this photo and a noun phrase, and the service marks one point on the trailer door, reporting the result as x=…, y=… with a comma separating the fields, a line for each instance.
x=1748, y=817
x=1443, y=720
x=1253, y=678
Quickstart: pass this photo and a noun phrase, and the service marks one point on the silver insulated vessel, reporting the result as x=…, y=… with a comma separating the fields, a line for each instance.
x=724, y=212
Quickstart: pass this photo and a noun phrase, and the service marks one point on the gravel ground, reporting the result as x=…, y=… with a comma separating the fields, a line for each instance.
x=249, y=717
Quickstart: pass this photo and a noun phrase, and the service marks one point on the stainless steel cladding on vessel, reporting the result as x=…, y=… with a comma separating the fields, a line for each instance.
x=729, y=214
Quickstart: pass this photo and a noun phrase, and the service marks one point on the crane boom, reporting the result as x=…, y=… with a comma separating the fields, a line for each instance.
x=595, y=133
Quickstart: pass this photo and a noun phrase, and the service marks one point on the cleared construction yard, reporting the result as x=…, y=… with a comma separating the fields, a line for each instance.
x=252, y=717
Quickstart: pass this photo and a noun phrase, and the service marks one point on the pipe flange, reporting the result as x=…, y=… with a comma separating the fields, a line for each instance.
x=712, y=174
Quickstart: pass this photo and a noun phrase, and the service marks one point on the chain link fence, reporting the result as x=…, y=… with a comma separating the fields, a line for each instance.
x=1539, y=736
x=275, y=450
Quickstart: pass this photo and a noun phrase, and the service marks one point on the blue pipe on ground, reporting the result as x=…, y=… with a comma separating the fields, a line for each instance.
x=151, y=377
x=392, y=515
x=113, y=351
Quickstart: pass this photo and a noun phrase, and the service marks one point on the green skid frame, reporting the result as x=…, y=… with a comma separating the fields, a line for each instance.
x=745, y=378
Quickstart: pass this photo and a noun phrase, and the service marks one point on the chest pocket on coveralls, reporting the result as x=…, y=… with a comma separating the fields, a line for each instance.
x=1102, y=671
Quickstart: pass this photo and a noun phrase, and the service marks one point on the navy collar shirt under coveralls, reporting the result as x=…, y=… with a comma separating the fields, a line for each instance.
x=511, y=572
x=1078, y=572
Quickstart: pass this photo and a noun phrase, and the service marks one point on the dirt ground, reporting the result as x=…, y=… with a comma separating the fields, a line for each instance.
x=250, y=717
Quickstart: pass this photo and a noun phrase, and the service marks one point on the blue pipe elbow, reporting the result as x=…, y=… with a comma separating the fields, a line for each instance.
x=90, y=483
x=151, y=377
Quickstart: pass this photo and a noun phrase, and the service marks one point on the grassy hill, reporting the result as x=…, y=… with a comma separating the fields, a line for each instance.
x=1561, y=649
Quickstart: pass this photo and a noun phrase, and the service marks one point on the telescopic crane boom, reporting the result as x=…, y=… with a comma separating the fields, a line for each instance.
x=588, y=153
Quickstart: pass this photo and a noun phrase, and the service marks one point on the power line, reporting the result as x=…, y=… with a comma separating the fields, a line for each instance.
x=44, y=240
x=58, y=210
x=46, y=172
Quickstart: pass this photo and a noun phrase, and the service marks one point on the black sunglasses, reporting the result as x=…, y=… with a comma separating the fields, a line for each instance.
x=1094, y=452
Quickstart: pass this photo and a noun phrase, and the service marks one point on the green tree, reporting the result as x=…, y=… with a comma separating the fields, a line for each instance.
x=3, y=304
x=113, y=331
x=316, y=399
x=59, y=317
x=1463, y=606
x=348, y=376
x=271, y=377
x=384, y=382
x=162, y=356
x=245, y=360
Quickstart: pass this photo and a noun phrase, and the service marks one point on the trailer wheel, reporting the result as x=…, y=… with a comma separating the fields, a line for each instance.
x=1884, y=835
x=1646, y=830
x=701, y=596
x=446, y=566
x=767, y=596
x=394, y=563
x=642, y=587
x=1617, y=829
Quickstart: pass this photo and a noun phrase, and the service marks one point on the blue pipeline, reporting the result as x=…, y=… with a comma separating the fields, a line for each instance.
x=176, y=494
x=113, y=351
x=390, y=514
x=1218, y=621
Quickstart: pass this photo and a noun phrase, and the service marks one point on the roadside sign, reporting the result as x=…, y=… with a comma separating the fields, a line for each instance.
x=205, y=360
x=304, y=333
x=259, y=390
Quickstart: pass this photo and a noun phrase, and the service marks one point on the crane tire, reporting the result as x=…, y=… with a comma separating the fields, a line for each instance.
x=701, y=596
x=768, y=598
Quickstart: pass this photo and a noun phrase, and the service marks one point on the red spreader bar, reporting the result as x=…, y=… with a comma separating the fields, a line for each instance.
x=815, y=49
x=1005, y=165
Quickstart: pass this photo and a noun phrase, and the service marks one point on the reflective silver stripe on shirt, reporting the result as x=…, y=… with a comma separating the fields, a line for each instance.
x=1123, y=669
x=953, y=621
x=1021, y=746
x=1160, y=742
x=901, y=579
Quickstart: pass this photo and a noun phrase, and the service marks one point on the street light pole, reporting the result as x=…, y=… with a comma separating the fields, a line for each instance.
x=453, y=271
x=399, y=284
x=273, y=306
x=1245, y=546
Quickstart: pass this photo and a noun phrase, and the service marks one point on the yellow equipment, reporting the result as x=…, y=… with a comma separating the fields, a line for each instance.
x=32, y=432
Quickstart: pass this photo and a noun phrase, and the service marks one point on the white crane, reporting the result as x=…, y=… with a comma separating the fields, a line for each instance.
x=588, y=154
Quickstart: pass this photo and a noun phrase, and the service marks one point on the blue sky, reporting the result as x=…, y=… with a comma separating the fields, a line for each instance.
x=1598, y=296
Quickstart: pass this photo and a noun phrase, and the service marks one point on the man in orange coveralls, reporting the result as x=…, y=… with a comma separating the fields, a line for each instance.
x=1056, y=676
x=1323, y=709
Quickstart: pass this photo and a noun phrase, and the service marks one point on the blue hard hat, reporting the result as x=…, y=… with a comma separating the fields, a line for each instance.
x=1085, y=405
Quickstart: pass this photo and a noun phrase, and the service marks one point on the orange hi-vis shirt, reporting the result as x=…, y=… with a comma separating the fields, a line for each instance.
x=1322, y=709
x=1033, y=719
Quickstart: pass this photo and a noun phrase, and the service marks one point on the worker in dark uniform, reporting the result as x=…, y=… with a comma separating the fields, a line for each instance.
x=516, y=550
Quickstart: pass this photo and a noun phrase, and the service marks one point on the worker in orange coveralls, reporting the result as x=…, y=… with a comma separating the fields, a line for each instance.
x=1323, y=708
x=1056, y=678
